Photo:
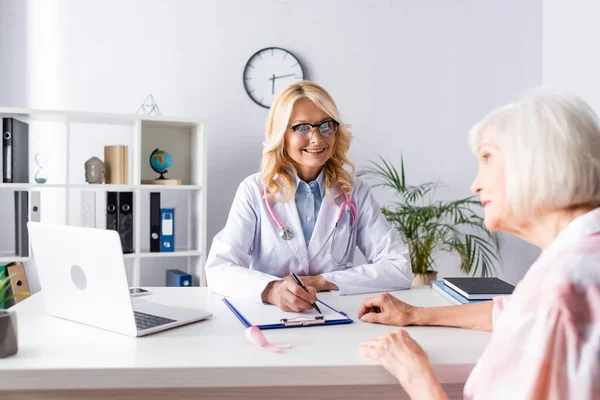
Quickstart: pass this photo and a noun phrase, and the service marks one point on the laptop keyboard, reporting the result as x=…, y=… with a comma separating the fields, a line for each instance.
x=146, y=321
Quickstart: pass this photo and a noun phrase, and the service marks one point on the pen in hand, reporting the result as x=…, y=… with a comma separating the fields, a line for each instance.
x=299, y=282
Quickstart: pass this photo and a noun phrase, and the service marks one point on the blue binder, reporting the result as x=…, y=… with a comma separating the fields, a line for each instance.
x=167, y=229
x=176, y=277
x=341, y=318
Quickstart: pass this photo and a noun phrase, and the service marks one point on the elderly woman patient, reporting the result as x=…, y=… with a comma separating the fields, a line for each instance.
x=539, y=179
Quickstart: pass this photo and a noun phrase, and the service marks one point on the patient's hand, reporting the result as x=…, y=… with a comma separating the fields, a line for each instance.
x=402, y=357
x=388, y=310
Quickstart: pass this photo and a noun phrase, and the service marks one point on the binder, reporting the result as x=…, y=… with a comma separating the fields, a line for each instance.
x=112, y=205
x=267, y=316
x=119, y=217
x=154, y=222
x=21, y=218
x=15, y=151
x=177, y=277
x=88, y=208
x=167, y=229
x=36, y=206
x=18, y=281
x=125, y=221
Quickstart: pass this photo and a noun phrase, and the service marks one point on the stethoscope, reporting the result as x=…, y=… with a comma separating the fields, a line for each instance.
x=286, y=233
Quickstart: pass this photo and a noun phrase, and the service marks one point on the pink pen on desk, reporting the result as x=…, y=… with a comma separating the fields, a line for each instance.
x=255, y=335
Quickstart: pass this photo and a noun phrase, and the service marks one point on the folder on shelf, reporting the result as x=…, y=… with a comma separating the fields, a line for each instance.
x=167, y=229
x=267, y=316
x=18, y=281
x=15, y=151
x=155, y=222
x=21, y=218
x=176, y=277
x=112, y=210
x=125, y=221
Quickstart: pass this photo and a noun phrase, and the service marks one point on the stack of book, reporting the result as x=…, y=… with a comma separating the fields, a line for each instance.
x=471, y=290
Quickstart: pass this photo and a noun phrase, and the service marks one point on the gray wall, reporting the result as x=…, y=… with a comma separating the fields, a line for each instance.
x=409, y=76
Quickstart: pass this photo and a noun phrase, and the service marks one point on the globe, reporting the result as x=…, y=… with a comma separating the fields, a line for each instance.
x=160, y=161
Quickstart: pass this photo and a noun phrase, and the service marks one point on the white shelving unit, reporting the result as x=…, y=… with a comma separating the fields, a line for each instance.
x=71, y=138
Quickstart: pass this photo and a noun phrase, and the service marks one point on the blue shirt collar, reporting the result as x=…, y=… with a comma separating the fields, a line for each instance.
x=319, y=182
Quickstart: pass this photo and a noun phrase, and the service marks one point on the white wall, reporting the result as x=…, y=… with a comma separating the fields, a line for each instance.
x=570, y=42
x=410, y=76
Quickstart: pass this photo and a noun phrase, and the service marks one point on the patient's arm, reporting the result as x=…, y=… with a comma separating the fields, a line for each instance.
x=471, y=316
x=386, y=309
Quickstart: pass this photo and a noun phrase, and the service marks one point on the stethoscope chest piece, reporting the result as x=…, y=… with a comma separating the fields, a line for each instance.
x=286, y=233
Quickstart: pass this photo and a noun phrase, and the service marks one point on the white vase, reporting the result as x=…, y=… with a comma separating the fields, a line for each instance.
x=424, y=279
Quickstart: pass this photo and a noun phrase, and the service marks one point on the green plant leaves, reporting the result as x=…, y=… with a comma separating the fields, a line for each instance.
x=429, y=227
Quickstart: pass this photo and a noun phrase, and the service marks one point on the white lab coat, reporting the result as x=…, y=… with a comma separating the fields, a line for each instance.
x=249, y=253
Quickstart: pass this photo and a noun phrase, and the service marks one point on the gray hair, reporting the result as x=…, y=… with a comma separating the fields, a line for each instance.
x=551, y=145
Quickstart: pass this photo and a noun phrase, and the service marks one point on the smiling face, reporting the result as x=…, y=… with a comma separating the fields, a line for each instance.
x=490, y=186
x=308, y=149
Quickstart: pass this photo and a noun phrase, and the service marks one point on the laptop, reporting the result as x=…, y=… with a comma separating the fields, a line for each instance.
x=83, y=279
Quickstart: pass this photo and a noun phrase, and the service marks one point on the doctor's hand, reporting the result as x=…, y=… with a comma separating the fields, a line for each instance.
x=388, y=310
x=289, y=296
x=402, y=357
x=319, y=283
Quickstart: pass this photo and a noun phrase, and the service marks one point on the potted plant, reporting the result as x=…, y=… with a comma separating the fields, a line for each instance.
x=8, y=319
x=430, y=227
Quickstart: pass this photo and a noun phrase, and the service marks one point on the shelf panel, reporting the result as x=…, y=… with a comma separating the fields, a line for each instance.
x=88, y=186
x=97, y=118
x=178, y=253
x=30, y=186
x=169, y=187
x=9, y=257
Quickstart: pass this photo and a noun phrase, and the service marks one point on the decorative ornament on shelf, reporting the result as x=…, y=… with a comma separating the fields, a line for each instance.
x=160, y=161
x=41, y=159
x=94, y=170
x=149, y=107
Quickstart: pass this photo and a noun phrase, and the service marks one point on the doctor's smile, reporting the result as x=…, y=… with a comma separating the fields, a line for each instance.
x=315, y=151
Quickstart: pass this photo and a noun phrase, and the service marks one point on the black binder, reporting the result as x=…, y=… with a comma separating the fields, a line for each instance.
x=125, y=223
x=119, y=217
x=112, y=207
x=15, y=151
x=21, y=218
x=155, y=222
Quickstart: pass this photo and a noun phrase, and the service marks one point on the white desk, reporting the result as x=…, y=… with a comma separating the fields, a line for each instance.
x=213, y=359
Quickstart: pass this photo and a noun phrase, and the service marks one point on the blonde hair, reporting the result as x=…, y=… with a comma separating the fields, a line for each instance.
x=275, y=160
x=551, y=145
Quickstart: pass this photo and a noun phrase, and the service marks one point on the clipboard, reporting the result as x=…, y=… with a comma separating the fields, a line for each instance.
x=267, y=316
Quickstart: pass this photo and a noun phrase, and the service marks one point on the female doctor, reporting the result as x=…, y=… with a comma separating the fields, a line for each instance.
x=305, y=214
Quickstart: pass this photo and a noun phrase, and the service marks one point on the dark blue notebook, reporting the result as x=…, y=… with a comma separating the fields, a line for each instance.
x=479, y=288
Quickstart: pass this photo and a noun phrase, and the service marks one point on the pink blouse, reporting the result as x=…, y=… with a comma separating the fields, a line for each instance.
x=546, y=339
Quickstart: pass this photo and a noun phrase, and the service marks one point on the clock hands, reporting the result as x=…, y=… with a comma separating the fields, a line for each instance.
x=272, y=79
x=273, y=84
x=282, y=76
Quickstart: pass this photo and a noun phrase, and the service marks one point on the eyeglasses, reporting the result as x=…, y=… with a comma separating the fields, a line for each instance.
x=326, y=128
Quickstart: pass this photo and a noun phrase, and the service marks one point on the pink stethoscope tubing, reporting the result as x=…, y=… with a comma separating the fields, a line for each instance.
x=339, y=215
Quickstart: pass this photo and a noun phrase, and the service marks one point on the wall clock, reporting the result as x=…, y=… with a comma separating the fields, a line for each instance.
x=268, y=71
